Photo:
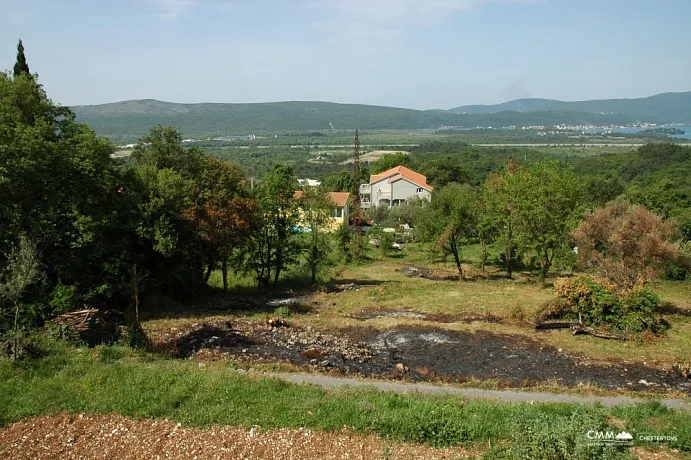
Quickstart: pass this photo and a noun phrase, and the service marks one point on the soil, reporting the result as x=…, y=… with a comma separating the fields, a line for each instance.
x=375, y=313
x=412, y=271
x=68, y=436
x=421, y=353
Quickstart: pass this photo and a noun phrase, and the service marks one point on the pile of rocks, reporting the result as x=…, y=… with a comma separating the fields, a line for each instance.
x=327, y=344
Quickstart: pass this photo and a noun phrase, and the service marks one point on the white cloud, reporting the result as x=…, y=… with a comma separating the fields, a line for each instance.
x=172, y=9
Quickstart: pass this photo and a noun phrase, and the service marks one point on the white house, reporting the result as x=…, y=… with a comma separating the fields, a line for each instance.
x=394, y=187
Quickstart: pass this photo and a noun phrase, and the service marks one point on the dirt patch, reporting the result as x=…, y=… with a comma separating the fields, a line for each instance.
x=343, y=287
x=68, y=436
x=428, y=353
x=377, y=313
x=412, y=271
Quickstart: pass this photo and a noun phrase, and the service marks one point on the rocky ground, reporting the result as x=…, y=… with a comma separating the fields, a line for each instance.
x=68, y=436
x=416, y=353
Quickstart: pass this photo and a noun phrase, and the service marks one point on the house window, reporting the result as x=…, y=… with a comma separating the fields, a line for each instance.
x=419, y=190
x=338, y=212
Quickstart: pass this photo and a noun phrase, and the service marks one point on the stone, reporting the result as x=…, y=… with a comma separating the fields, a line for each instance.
x=401, y=368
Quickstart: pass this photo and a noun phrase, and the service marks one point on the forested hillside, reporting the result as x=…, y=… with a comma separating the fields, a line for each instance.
x=132, y=118
x=661, y=108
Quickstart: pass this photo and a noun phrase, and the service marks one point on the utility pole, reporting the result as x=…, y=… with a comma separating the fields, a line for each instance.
x=357, y=211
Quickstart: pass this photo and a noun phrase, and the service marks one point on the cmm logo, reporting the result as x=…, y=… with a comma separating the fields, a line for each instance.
x=608, y=436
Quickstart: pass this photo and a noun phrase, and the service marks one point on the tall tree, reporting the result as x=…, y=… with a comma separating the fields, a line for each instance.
x=44, y=153
x=546, y=207
x=272, y=244
x=451, y=220
x=163, y=148
x=501, y=192
x=221, y=212
x=21, y=67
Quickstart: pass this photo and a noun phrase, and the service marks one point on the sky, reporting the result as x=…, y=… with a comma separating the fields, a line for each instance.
x=420, y=54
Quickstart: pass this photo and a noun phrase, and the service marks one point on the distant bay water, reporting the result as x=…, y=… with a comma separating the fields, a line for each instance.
x=685, y=128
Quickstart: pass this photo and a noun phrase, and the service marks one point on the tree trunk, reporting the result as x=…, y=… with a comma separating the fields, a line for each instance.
x=207, y=275
x=509, y=252
x=224, y=271
x=16, y=331
x=456, y=257
x=483, y=244
x=279, y=263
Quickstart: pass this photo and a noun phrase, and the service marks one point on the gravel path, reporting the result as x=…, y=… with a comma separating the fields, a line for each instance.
x=506, y=396
x=69, y=436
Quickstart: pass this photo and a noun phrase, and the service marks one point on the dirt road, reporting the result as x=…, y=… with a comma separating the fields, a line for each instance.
x=504, y=396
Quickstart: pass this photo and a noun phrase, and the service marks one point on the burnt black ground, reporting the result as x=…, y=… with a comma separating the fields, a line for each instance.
x=429, y=353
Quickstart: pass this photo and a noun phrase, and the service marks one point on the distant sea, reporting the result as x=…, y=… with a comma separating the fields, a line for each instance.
x=686, y=129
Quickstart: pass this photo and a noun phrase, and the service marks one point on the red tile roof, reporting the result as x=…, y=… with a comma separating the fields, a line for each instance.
x=339, y=198
x=399, y=172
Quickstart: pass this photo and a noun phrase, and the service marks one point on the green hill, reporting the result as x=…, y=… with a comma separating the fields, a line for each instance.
x=130, y=119
x=662, y=108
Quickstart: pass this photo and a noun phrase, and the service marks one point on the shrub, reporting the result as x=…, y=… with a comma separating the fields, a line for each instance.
x=64, y=298
x=284, y=311
x=596, y=303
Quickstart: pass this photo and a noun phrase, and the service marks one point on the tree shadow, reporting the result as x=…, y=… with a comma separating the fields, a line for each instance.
x=668, y=308
x=216, y=303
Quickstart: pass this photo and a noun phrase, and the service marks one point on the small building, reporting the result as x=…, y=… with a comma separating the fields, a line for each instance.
x=394, y=187
x=342, y=202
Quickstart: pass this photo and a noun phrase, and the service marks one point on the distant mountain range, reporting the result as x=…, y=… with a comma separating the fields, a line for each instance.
x=133, y=118
x=662, y=108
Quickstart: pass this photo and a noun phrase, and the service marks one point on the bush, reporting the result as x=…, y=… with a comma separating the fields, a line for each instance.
x=597, y=304
x=64, y=298
x=548, y=437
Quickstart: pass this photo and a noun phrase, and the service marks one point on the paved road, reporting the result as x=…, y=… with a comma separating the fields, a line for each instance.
x=506, y=396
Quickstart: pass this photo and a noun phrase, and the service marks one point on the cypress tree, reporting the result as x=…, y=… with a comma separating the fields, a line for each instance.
x=21, y=66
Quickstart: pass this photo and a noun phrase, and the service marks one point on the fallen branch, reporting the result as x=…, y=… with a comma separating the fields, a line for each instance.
x=554, y=325
x=580, y=329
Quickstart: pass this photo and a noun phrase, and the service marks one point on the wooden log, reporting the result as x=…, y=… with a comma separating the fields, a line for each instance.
x=580, y=329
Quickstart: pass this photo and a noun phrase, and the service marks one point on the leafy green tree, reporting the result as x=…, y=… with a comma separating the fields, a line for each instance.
x=272, y=244
x=340, y=182
x=21, y=67
x=487, y=230
x=600, y=190
x=221, y=213
x=500, y=198
x=546, y=205
x=444, y=171
x=451, y=220
x=316, y=212
x=388, y=161
x=163, y=148
x=59, y=186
